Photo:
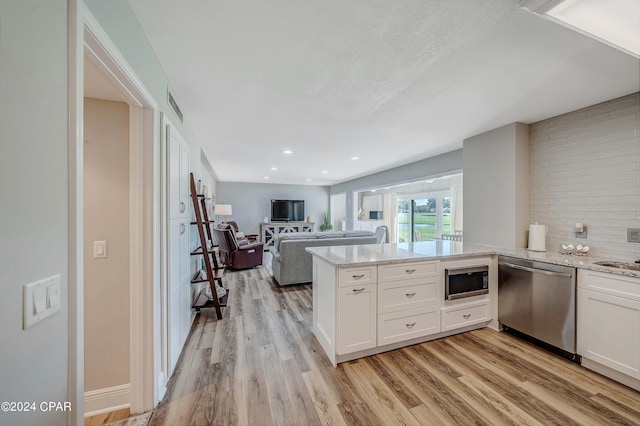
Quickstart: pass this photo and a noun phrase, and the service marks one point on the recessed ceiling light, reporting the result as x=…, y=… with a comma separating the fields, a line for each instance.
x=266, y=177
x=308, y=180
x=355, y=158
x=373, y=190
x=428, y=181
x=274, y=168
x=287, y=151
x=324, y=172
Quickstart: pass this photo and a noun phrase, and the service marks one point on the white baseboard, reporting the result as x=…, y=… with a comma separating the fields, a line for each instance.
x=105, y=400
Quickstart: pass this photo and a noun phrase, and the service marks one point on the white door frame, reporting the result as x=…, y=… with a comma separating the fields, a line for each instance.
x=86, y=36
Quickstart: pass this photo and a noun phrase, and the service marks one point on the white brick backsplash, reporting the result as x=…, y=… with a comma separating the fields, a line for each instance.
x=585, y=167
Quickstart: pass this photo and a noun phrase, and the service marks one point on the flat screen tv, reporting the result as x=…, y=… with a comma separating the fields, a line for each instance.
x=287, y=210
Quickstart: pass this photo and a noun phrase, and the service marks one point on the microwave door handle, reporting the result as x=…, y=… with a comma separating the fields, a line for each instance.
x=539, y=271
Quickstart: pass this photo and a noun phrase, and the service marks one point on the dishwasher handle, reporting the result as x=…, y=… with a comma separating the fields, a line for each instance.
x=539, y=271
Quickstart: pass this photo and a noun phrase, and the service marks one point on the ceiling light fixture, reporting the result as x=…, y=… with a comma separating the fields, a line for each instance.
x=308, y=180
x=274, y=168
x=266, y=177
x=614, y=22
x=324, y=172
x=428, y=181
x=355, y=158
x=287, y=151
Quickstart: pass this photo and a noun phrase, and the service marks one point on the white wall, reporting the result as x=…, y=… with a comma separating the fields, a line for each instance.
x=585, y=167
x=338, y=210
x=251, y=202
x=496, y=187
x=120, y=23
x=429, y=167
x=106, y=217
x=33, y=190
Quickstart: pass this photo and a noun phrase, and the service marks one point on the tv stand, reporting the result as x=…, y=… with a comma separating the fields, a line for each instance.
x=270, y=230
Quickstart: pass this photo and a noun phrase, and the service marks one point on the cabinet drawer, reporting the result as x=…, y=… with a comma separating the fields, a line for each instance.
x=461, y=316
x=357, y=276
x=407, y=294
x=616, y=285
x=404, y=325
x=407, y=271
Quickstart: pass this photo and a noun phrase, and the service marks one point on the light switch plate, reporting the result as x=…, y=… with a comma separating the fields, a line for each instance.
x=99, y=249
x=633, y=235
x=40, y=299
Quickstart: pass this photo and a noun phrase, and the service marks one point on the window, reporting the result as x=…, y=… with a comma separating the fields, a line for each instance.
x=421, y=219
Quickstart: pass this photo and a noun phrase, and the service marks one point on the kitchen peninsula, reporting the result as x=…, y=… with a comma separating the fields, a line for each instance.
x=369, y=299
x=373, y=298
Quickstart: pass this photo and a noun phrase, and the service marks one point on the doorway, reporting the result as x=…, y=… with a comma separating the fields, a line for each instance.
x=91, y=50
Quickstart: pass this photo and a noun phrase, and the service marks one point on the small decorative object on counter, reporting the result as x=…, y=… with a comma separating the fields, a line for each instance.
x=265, y=219
x=581, y=250
x=567, y=249
x=309, y=219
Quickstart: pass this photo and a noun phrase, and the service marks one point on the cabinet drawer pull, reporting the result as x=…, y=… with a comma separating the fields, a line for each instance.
x=410, y=325
x=183, y=207
x=358, y=290
x=182, y=228
x=409, y=271
x=466, y=316
x=410, y=295
x=357, y=277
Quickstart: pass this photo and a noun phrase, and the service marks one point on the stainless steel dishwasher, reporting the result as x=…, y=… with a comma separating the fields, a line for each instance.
x=539, y=300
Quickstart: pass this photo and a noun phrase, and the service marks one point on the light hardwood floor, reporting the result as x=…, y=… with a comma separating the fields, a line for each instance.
x=261, y=365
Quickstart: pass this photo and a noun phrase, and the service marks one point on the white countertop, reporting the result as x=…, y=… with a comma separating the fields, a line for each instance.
x=356, y=255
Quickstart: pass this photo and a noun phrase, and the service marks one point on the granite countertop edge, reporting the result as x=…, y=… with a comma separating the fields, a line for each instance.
x=466, y=251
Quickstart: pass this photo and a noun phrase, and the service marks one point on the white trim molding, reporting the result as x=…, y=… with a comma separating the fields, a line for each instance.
x=106, y=400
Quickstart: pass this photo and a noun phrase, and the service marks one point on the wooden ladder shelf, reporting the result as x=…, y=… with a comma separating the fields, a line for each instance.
x=208, y=250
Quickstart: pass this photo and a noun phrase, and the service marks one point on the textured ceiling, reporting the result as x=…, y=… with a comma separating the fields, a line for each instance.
x=390, y=82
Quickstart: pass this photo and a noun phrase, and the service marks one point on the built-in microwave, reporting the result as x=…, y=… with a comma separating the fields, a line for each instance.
x=466, y=282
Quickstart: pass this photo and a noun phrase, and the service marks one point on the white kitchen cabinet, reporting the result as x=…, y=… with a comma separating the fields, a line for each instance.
x=609, y=322
x=357, y=318
x=408, y=324
x=364, y=308
x=464, y=315
x=372, y=203
x=179, y=295
x=367, y=225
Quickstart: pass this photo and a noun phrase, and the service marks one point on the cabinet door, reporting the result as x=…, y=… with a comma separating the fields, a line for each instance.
x=185, y=199
x=609, y=331
x=173, y=172
x=185, y=281
x=174, y=319
x=356, y=318
x=178, y=159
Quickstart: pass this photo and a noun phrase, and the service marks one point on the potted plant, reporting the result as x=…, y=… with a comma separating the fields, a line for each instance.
x=326, y=222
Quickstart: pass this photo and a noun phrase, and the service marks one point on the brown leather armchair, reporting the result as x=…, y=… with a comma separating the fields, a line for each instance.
x=239, y=236
x=237, y=255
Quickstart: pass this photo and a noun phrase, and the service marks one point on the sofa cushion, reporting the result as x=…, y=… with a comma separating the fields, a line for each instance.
x=293, y=236
x=348, y=234
x=329, y=234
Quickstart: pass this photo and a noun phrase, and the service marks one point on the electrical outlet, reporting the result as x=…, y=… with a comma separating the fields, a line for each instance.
x=633, y=235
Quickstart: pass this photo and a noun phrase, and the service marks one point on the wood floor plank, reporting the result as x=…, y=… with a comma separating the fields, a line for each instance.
x=325, y=401
x=448, y=407
x=303, y=412
x=489, y=412
x=508, y=387
x=382, y=401
x=279, y=399
x=261, y=365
